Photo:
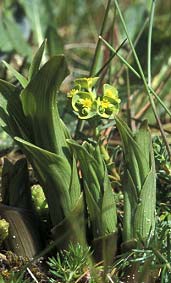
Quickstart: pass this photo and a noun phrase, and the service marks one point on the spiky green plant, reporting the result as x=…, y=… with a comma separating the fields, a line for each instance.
x=70, y=264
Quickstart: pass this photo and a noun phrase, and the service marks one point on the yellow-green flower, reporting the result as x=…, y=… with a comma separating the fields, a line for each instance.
x=111, y=92
x=107, y=108
x=73, y=91
x=108, y=105
x=86, y=83
x=84, y=104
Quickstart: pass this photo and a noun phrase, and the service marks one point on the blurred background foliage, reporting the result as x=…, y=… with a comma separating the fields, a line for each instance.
x=72, y=27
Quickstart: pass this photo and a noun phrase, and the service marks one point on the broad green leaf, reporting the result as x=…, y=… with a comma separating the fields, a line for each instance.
x=128, y=229
x=74, y=189
x=40, y=105
x=144, y=218
x=134, y=155
x=95, y=152
x=11, y=111
x=24, y=238
x=140, y=185
x=55, y=44
x=143, y=139
x=93, y=210
x=35, y=65
x=130, y=205
x=87, y=167
x=108, y=209
x=18, y=76
x=99, y=196
x=7, y=88
x=54, y=175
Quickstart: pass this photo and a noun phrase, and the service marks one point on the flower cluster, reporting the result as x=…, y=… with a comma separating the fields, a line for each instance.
x=87, y=104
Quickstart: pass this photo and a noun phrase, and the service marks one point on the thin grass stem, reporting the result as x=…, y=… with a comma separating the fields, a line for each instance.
x=120, y=57
x=80, y=124
x=110, y=58
x=98, y=47
x=144, y=80
x=136, y=73
x=112, y=42
x=149, y=42
x=130, y=52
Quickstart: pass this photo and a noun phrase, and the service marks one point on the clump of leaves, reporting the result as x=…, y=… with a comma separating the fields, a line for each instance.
x=69, y=265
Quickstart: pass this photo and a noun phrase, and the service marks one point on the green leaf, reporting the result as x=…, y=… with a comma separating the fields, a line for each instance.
x=24, y=239
x=12, y=116
x=15, y=37
x=6, y=88
x=134, y=155
x=144, y=218
x=87, y=166
x=55, y=44
x=140, y=183
x=5, y=45
x=74, y=189
x=93, y=210
x=134, y=17
x=54, y=174
x=99, y=196
x=18, y=76
x=40, y=105
x=34, y=67
x=108, y=210
x=38, y=18
x=13, y=119
x=16, y=187
x=143, y=139
x=130, y=205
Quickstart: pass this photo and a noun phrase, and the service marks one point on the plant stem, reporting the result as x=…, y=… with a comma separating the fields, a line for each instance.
x=149, y=41
x=98, y=47
x=120, y=57
x=80, y=124
x=130, y=52
x=128, y=99
x=110, y=58
x=148, y=90
x=112, y=42
x=136, y=73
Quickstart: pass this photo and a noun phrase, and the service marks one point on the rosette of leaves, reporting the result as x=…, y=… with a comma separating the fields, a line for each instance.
x=139, y=183
x=100, y=199
x=30, y=115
